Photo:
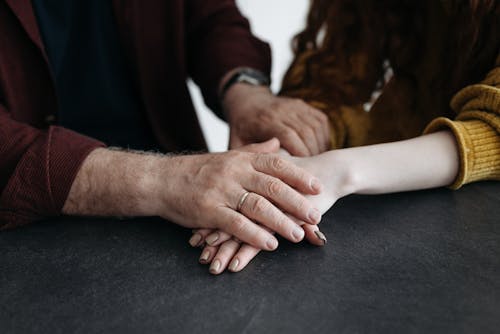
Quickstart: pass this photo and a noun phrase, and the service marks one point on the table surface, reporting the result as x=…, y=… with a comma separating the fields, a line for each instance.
x=417, y=262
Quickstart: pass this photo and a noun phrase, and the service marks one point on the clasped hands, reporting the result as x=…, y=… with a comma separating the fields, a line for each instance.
x=278, y=205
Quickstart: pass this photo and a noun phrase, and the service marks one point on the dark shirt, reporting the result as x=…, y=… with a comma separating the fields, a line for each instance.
x=164, y=42
x=93, y=84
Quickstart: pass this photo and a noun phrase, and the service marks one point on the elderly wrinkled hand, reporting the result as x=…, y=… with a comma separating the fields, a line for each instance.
x=223, y=251
x=255, y=115
x=233, y=190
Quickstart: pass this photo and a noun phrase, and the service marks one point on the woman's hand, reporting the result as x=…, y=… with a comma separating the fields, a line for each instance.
x=223, y=251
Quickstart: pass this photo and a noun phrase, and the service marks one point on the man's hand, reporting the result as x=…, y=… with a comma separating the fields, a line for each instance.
x=201, y=191
x=206, y=190
x=221, y=251
x=256, y=115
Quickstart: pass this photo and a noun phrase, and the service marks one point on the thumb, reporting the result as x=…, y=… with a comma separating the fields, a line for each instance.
x=270, y=146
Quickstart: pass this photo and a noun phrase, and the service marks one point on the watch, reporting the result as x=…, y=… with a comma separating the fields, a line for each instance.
x=248, y=76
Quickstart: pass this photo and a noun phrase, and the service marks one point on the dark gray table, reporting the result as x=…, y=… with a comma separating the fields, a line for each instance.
x=414, y=263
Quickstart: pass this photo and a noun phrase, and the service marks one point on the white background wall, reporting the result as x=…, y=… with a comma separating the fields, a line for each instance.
x=275, y=21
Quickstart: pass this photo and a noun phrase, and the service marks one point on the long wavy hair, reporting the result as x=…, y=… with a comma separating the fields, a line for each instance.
x=341, y=55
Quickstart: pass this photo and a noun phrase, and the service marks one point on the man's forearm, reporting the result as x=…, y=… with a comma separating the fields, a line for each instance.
x=200, y=191
x=114, y=183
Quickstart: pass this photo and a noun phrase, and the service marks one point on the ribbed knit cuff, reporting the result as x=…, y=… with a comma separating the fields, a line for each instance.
x=479, y=149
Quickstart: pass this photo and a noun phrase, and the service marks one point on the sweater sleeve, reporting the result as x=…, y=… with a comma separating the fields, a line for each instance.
x=476, y=128
x=219, y=40
x=37, y=169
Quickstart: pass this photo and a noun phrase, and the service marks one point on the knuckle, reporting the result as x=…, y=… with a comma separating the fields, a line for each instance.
x=274, y=188
x=278, y=164
x=309, y=133
x=286, y=134
x=307, y=130
x=279, y=223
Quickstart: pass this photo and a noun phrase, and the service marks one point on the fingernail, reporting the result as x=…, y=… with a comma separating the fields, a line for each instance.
x=204, y=256
x=195, y=240
x=298, y=233
x=234, y=265
x=214, y=268
x=316, y=184
x=272, y=244
x=321, y=236
x=212, y=238
x=314, y=216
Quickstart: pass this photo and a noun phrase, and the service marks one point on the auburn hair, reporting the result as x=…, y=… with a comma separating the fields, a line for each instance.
x=342, y=54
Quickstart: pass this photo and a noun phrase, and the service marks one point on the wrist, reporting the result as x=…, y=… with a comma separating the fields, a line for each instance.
x=247, y=75
x=168, y=178
x=347, y=178
x=240, y=95
x=149, y=185
x=115, y=183
x=239, y=83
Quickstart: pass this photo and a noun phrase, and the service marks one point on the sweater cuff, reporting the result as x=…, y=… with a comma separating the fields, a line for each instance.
x=478, y=146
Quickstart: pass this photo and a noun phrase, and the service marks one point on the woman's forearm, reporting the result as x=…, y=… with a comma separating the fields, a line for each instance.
x=424, y=162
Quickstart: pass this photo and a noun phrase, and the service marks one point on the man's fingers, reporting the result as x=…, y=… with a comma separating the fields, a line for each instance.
x=305, y=133
x=289, y=173
x=292, y=142
x=241, y=259
x=312, y=118
x=326, y=130
x=320, y=122
x=225, y=253
x=285, y=197
x=259, y=209
x=245, y=230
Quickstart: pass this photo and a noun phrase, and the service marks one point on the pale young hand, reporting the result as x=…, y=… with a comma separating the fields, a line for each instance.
x=255, y=115
x=203, y=192
x=223, y=251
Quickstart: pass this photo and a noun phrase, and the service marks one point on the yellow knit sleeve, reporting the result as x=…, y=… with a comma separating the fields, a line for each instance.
x=476, y=128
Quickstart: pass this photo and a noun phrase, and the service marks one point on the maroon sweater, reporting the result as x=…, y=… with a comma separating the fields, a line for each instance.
x=165, y=42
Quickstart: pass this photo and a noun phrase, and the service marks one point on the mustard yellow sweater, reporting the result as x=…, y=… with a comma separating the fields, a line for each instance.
x=476, y=128
x=406, y=110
